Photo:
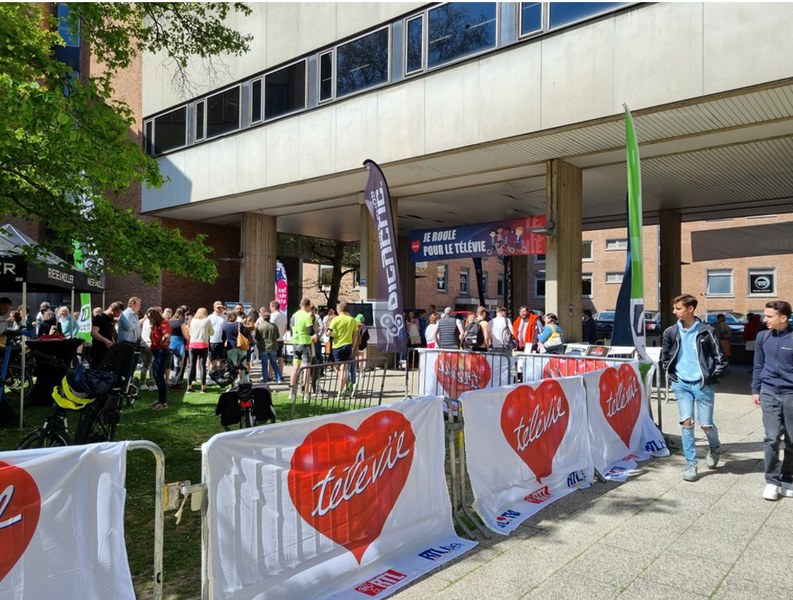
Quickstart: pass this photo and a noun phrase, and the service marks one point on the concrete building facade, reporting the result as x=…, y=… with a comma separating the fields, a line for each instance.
x=478, y=112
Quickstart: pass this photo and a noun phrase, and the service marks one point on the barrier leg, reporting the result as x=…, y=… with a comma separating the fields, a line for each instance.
x=463, y=479
x=451, y=434
x=159, y=513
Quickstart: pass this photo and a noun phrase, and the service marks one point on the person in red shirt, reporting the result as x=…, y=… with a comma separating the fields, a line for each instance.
x=160, y=355
x=525, y=328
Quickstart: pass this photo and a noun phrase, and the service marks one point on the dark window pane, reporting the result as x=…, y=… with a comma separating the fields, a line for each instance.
x=147, y=138
x=563, y=13
x=223, y=112
x=285, y=90
x=256, y=101
x=530, y=17
x=326, y=76
x=415, y=27
x=199, y=121
x=71, y=39
x=458, y=29
x=170, y=130
x=362, y=63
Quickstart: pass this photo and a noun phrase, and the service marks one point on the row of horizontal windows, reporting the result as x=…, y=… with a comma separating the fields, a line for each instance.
x=415, y=44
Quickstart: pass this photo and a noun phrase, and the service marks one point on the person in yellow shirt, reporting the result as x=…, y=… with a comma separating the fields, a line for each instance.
x=343, y=331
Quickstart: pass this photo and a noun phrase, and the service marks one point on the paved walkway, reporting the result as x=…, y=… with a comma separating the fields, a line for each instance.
x=652, y=537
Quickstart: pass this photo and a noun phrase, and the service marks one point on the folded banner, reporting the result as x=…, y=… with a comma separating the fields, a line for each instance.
x=621, y=430
x=453, y=372
x=62, y=523
x=526, y=447
x=342, y=506
x=390, y=326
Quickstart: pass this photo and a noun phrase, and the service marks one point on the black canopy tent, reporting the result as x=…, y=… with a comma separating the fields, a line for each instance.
x=18, y=273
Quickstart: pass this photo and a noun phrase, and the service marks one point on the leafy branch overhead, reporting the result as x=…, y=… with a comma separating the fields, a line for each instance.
x=67, y=146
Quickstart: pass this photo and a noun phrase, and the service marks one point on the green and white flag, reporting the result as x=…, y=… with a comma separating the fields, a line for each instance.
x=629, y=314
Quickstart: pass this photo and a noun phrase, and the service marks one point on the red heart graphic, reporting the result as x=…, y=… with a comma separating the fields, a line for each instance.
x=534, y=422
x=459, y=372
x=565, y=367
x=415, y=245
x=345, y=482
x=621, y=400
x=20, y=507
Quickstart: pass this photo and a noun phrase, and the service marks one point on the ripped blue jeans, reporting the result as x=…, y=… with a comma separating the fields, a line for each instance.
x=691, y=396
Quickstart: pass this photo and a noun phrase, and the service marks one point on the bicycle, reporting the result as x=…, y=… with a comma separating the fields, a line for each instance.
x=97, y=421
x=17, y=389
x=99, y=411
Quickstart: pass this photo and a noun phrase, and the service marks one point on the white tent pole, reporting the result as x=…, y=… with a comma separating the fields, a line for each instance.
x=22, y=383
x=71, y=306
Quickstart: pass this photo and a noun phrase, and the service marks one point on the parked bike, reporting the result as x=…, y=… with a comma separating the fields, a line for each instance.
x=96, y=395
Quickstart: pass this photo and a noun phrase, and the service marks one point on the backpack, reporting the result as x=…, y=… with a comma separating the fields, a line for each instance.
x=474, y=338
x=364, y=338
x=508, y=338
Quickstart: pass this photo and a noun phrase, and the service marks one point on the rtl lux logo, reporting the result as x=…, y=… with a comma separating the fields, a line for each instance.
x=576, y=478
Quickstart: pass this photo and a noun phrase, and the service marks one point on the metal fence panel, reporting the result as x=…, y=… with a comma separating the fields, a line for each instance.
x=334, y=387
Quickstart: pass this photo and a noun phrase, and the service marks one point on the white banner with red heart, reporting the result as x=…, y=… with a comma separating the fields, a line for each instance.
x=621, y=430
x=526, y=447
x=62, y=523
x=451, y=373
x=342, y=506
x=543, y=366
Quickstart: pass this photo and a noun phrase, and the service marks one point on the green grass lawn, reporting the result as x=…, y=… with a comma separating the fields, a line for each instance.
x=180, y=430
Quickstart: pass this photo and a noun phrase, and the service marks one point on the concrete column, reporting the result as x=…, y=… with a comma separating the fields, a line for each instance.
x=670, y=264
x=563, y=254
x=259, y=249
x=520, y=285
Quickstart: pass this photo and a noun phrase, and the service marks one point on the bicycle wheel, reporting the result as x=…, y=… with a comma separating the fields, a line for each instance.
x=17, y=388
x=43, y=439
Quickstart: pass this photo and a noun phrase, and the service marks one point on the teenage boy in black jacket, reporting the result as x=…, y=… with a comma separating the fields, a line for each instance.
x=693, y=360
x=772, y=391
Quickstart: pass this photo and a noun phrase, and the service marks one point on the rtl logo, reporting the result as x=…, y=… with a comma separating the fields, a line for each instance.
x=380, y=582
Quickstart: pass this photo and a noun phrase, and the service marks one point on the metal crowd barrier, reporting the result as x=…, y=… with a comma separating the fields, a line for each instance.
x=322, y=388
x=159, y=510
x=460, y=370
x=420, y=381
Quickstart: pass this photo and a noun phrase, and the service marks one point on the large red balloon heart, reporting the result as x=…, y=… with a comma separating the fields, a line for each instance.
x=20, y=507
x=621, y=400
x=459, y=372
x=534, y=422
x=345, y=482
x=564, y=367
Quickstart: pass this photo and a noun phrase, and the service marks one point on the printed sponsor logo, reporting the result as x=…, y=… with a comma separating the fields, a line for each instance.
x=380, y=582
x=504, y=519
x=632, y=457
x=576, y=478
x=437, y=552
x=539, y=496
x=655, y=446
x=616, y=471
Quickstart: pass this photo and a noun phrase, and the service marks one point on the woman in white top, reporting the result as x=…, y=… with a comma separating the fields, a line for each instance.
x=200, y=331
x=431, y=331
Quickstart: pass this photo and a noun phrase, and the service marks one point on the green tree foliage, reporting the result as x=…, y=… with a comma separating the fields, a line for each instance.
x=66, y=148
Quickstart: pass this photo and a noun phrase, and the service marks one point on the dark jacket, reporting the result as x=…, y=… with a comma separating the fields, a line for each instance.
x=712, y=364
x=773, y=361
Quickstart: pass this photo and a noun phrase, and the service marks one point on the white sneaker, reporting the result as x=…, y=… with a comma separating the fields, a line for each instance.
x=787, y=490
x=771, y=491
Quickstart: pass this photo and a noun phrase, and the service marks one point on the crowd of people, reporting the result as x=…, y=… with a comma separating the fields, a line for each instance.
x=482, y=332
x=180, y=347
